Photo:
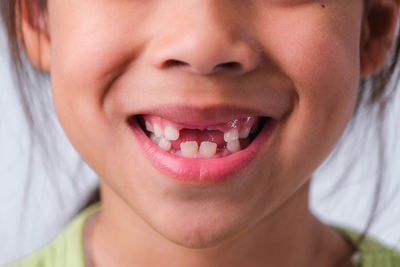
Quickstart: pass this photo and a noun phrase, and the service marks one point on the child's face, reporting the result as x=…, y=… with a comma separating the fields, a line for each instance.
x=296, y=61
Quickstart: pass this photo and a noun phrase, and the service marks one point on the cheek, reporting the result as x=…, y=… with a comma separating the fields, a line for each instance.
x=321, y=57
x=326, y=96
x=91, y=47
x=89, y=50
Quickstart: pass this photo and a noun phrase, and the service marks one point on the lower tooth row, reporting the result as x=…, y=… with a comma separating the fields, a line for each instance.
x=165, y=144
x=233, y=146
x=208, y=149
x=190, y=149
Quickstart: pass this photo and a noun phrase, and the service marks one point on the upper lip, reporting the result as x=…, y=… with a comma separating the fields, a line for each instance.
x=208, y=115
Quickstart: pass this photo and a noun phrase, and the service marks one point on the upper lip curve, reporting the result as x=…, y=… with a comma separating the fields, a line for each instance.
x=207, y=115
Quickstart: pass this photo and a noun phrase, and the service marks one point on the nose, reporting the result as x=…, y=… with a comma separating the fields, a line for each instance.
x=204, y=45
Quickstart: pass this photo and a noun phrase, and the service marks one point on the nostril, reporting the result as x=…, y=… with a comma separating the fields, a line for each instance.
x=174, y=63
x=229, y=65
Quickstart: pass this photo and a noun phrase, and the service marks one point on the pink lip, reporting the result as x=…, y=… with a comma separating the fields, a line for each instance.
x=211, y=115
x=202, y=171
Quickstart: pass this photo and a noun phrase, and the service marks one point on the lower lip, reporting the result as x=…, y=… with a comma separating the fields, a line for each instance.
x=203, y=171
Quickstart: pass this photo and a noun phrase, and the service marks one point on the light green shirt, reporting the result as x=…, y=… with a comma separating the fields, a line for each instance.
x=68, y=250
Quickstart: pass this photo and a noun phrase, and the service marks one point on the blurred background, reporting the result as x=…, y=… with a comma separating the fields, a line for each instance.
x=42, y=190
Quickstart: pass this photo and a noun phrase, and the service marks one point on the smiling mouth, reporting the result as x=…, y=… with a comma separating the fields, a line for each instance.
x=202, y=147
x=205, y=141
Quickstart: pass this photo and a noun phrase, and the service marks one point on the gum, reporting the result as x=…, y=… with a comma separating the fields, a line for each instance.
x=239, y=124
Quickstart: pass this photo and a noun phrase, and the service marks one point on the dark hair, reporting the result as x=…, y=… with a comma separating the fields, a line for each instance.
x=375, y=91
x=37, y=106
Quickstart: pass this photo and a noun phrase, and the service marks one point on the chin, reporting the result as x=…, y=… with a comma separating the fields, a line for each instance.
x=207, y=229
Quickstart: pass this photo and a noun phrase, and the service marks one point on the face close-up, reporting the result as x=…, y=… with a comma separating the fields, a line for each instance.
x=203, y=118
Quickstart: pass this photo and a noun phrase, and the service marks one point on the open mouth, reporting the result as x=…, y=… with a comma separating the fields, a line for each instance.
x=202, y=152
x=206, y=142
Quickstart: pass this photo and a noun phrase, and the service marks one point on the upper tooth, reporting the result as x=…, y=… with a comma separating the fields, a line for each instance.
x=189, y=149
x=231, y=135
x=159, y=132
x=171, y=133
x=165, y=144
x=208, y=149
x=149, y=127
x=244, y=133
x=233, y=146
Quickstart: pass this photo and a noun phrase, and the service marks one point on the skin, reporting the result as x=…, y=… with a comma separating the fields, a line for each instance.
x=107, y=60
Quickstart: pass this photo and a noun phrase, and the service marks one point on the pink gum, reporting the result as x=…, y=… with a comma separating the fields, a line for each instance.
x=240, y=123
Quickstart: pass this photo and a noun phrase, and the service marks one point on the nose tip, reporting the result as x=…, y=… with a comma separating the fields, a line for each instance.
x=205, y=54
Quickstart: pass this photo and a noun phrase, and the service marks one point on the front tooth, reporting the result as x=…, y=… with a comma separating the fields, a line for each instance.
x=189, y=149
x=208, y=149
x=159, y=132
x=149, y=127
x=244, y=133
x=233, y=146
x=171, y=133
x=165, y=144
x=231, y=135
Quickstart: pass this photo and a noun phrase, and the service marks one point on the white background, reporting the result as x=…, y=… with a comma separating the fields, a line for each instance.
x=30, y=220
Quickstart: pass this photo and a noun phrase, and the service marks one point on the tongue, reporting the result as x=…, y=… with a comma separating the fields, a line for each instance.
x=200, y=136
